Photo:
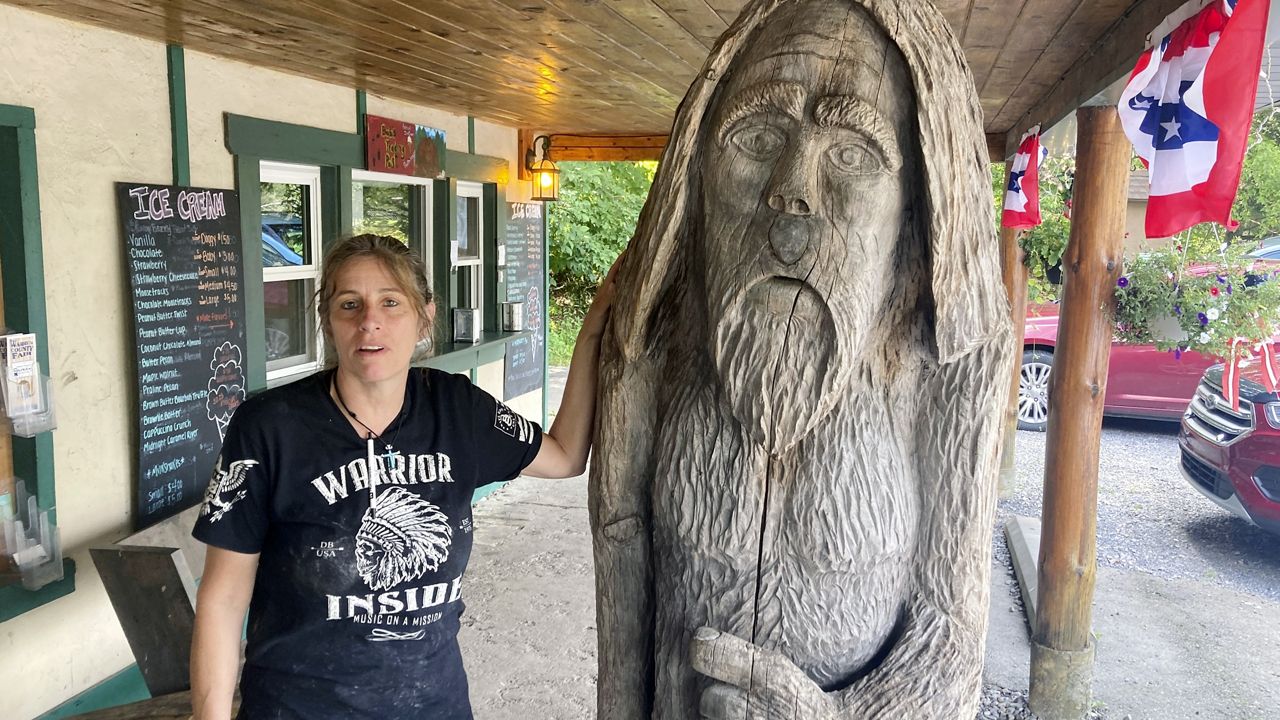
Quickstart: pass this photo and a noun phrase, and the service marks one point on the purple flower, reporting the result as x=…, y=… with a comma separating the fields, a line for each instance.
x=1204, y=319
x=1177, y=353
x=1123, y=282
x=1228, y=289
x=1177, y=309
x=1222, y=280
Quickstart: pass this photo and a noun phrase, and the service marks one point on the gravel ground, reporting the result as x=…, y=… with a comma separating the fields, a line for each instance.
x=1149, y=518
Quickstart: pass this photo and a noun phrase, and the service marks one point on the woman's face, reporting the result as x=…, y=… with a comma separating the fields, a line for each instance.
x=373, y=321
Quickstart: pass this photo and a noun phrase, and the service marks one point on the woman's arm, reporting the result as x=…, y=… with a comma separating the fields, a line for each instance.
x=221, y=604
x=566, y=445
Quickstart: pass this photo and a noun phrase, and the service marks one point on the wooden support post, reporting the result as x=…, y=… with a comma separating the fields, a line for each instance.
x=1013, y=269
x=1062, y=648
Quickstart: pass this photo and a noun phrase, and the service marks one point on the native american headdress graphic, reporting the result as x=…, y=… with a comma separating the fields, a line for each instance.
x=402, y=537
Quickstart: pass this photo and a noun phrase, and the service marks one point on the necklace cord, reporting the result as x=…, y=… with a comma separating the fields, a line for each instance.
x=337, y=393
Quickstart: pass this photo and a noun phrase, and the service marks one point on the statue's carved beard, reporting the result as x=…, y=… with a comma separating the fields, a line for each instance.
x=777, y=356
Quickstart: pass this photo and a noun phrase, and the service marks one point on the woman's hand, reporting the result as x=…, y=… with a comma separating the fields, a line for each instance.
x=593, y=324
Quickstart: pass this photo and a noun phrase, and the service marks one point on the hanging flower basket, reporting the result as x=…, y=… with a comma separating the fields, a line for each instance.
x=1216, y=305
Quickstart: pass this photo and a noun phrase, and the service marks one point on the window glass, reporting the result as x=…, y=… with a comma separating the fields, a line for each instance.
x=382, y=208
x=290, y=321
x=290, y=267
x=468, y=228
x=286, y=235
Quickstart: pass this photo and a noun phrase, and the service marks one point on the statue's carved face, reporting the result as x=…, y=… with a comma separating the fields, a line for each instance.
x=804, y=183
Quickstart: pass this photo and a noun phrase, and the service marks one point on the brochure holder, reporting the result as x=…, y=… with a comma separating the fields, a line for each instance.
x=30, y=540
x=26, y=393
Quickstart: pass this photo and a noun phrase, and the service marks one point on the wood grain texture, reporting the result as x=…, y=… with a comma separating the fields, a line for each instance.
x=802, y=385
x=153, y=594
x=588, y=66
x=1092, y=262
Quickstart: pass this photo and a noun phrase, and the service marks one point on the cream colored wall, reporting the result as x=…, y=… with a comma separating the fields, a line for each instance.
x=101, y=105
x=102, y=116
x=215, y=86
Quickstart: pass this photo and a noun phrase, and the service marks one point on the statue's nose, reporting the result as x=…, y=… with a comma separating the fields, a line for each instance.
x=789, y=238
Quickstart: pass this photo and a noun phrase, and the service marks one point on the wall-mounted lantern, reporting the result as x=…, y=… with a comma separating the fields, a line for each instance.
x=546, y=176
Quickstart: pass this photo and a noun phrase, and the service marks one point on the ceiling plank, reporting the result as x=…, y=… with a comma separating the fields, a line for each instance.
x=697, y=18
x=1111, y=58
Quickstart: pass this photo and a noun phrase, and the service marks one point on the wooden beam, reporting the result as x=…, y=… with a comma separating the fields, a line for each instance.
x=1013, y=271
x=524, y=145
x=1111, y=58
x=607, y=147
x=1062, y=652
x=995, y=148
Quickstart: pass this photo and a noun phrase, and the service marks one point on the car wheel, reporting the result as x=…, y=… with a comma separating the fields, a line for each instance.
x=1033, y=390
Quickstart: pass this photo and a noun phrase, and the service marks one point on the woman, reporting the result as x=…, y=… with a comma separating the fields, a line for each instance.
x=352, y=579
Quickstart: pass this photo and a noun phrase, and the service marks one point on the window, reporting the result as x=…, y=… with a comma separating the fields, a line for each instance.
x=290, y=267
x=393, y=205
x=467, y=251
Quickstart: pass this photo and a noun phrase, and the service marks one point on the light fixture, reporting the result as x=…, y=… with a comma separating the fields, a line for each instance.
x=546, y=176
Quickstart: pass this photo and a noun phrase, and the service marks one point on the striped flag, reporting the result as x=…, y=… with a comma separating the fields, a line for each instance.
x=1188, y=106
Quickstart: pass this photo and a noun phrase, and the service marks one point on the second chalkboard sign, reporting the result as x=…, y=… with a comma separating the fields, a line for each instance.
x=184, y=258
x=526, y=283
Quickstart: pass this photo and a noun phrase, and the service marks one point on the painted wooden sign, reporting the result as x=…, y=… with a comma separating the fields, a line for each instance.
x=396, y=146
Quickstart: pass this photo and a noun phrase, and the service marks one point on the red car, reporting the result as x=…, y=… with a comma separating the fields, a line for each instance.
x=1233, y=457
x=1142, y=381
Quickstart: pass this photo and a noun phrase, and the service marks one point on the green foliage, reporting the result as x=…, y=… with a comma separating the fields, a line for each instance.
x=1045, y=243
x=381, y=209
x=588, y=227
x=593, y=221
x=1180, y=298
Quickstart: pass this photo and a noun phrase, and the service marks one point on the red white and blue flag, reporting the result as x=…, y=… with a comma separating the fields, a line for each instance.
x=1188, y=106
x=1022, y=195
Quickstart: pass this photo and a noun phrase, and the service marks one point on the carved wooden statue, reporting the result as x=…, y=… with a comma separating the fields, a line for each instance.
x=794, y=481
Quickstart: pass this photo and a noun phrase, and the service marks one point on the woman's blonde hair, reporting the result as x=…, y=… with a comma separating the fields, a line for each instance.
x=405, y=265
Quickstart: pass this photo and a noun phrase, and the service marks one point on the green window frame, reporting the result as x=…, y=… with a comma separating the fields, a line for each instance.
x=252, y=140
x=22, y=257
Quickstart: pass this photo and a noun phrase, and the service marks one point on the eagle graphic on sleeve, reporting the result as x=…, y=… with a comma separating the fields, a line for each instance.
x=216, y=503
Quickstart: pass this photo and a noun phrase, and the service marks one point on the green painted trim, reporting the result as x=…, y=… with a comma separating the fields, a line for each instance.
x=335, y=205
x=441, y=212
x=362, y=109
x=546, y=299
x=14, y=600
x=16, y=116
x=471, y=135
x=486, y=491
x=22, y=257
x=249, y=187
x=477, y=168
x=270, y=140
x=126, y=686
x=178, y=114
x=473, y=375
x=489, y=270
x=466, y=357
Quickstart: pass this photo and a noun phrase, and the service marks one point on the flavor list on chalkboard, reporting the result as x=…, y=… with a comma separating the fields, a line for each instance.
x=526, y=273
x=185, y=270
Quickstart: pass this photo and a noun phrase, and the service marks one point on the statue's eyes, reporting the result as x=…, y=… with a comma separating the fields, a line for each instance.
x=759, y=142
x=855, y=158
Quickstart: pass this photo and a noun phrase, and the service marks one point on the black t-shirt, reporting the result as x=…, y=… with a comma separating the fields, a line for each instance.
x=358, y=594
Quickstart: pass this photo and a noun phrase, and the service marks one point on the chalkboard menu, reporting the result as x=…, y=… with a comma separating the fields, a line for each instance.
x=183, y=252
x=526, y=283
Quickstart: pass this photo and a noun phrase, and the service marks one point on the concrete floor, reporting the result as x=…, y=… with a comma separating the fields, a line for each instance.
x=1167, y=649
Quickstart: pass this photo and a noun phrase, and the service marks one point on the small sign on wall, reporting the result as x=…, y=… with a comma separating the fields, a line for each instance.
x=395, y=146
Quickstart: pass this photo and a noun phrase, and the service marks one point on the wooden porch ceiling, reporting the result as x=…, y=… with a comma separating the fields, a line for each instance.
x=609, y=66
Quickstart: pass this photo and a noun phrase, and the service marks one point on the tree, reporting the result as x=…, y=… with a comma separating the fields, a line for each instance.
x=599, y=205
